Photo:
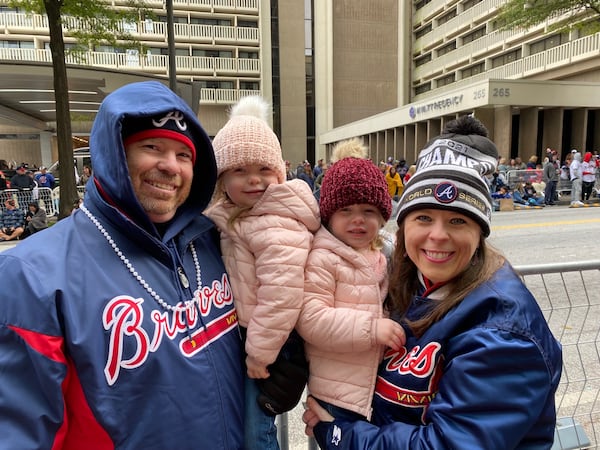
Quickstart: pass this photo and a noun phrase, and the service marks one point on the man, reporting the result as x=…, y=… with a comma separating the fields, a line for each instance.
x=21, y=180
x=550, y=176
x=123, y=335
x=45, y=179
x=11, y=222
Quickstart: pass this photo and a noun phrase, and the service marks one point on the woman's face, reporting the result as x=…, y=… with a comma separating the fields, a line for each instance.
x=440, y=243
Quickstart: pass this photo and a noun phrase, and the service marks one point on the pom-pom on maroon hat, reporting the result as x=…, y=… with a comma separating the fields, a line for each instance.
x=352, y=180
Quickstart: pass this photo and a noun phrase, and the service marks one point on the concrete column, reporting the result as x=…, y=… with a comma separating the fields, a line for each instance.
x=399, y=142
x=421, y=135
x=434, y=128
x=528, y=129
x=579, y=129
x=409, y=143
x=503, y=130
x=46, y=148
x=552, y=133
x=486, y=117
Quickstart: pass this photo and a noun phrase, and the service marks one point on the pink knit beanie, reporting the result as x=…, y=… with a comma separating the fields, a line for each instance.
x=351, y=180
x=247, y=138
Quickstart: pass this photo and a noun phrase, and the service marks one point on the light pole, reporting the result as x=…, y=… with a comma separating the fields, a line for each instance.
x=171, y=43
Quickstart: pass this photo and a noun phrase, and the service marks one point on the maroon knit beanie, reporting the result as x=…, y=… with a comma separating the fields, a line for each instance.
x=351, y=181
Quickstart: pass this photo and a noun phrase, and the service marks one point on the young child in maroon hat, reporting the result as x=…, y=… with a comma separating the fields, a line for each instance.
x=342, y=320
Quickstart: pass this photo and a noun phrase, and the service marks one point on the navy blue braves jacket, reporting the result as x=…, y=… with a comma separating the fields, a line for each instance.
x=88, y=358
x=483, y=377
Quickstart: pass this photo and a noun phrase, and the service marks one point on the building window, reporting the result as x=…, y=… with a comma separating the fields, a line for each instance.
x=470, y=3
x=422, y=88
x=421, y=3
x=247, y=24
x=446, y=48
x=473, y=35
x=249, y=85
x=422, y=60
x=448, y=79
x=473, y=70
x=506, y=58
x=247, y=55
x=213, y=84
x=17, y=44
x=548, y=43
x=212, y=53
x=446, y=17
x=423, y=31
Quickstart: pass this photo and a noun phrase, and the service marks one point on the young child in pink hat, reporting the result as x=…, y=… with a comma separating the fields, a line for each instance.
x=267, y=227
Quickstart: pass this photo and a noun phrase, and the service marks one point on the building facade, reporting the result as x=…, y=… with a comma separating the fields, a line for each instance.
x=224, y=49
x=532, y=88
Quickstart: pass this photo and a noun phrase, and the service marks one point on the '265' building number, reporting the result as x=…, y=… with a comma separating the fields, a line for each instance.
x=496, y=92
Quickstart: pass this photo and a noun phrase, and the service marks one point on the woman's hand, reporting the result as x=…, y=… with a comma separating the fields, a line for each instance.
x=314, y=414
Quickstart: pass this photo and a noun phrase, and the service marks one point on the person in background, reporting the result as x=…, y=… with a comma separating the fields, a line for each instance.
x=3, y=181
x=346, y=278
x=137, y=347
x=267, y=227
x=575, y=177
x=305, y=174
x=588, y=176
x=45, y=179
x=85, y=175
x=550, y=176
x=394, y=183
x=410, y=172
x=21, y=180
x=12, y=221
x=35, y=219
x=290, y=174
x=480, y=366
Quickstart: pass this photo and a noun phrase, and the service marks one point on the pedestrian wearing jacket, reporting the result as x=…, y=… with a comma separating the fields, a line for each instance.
x=480, y=366
x=122, y=334
x=267, y=227
x=342, y=321
x=12, y=221
x=588, y=176
x=394, y=182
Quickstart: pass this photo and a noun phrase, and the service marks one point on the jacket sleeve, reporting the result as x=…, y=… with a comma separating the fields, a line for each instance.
x=33, y=367
x=280, y=253
x=489, y=396
x=332, y=327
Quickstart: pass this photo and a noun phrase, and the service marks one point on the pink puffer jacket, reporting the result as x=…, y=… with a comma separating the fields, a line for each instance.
x=343, y=299
x=265, y=251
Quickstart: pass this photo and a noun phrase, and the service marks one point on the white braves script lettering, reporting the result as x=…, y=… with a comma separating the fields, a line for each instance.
x=123, y=317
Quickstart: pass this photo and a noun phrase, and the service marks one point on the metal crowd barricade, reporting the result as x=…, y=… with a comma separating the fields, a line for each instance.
x=23, y=196
x=47, y=198
x=569, y=296
x=523, y=175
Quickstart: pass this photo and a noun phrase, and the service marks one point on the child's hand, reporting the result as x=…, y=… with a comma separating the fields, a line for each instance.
x=313, y=415
x=256, y=369
x=390, y=333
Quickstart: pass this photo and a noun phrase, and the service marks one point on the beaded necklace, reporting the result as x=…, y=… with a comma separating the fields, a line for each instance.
x=187, y=305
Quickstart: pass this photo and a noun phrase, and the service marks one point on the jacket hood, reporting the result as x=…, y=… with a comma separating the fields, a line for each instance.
x=587, y=157
x=111, y=175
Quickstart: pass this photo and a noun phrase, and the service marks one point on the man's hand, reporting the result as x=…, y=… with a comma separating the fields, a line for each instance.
x=314, y=414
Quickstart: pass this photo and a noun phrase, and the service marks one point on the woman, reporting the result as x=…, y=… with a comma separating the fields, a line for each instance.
x=394, y=182
x=480, y=366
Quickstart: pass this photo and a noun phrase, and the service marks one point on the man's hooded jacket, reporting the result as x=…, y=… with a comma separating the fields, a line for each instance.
x=89, y=359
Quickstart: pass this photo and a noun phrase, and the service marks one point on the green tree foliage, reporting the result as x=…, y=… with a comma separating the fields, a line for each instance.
x=561, y=15
x=91, y=22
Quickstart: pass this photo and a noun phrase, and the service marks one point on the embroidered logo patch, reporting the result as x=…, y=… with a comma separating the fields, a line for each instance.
x=445, y=192
x=336, y=435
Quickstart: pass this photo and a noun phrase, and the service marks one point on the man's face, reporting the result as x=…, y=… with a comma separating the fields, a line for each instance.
x=161, y=172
